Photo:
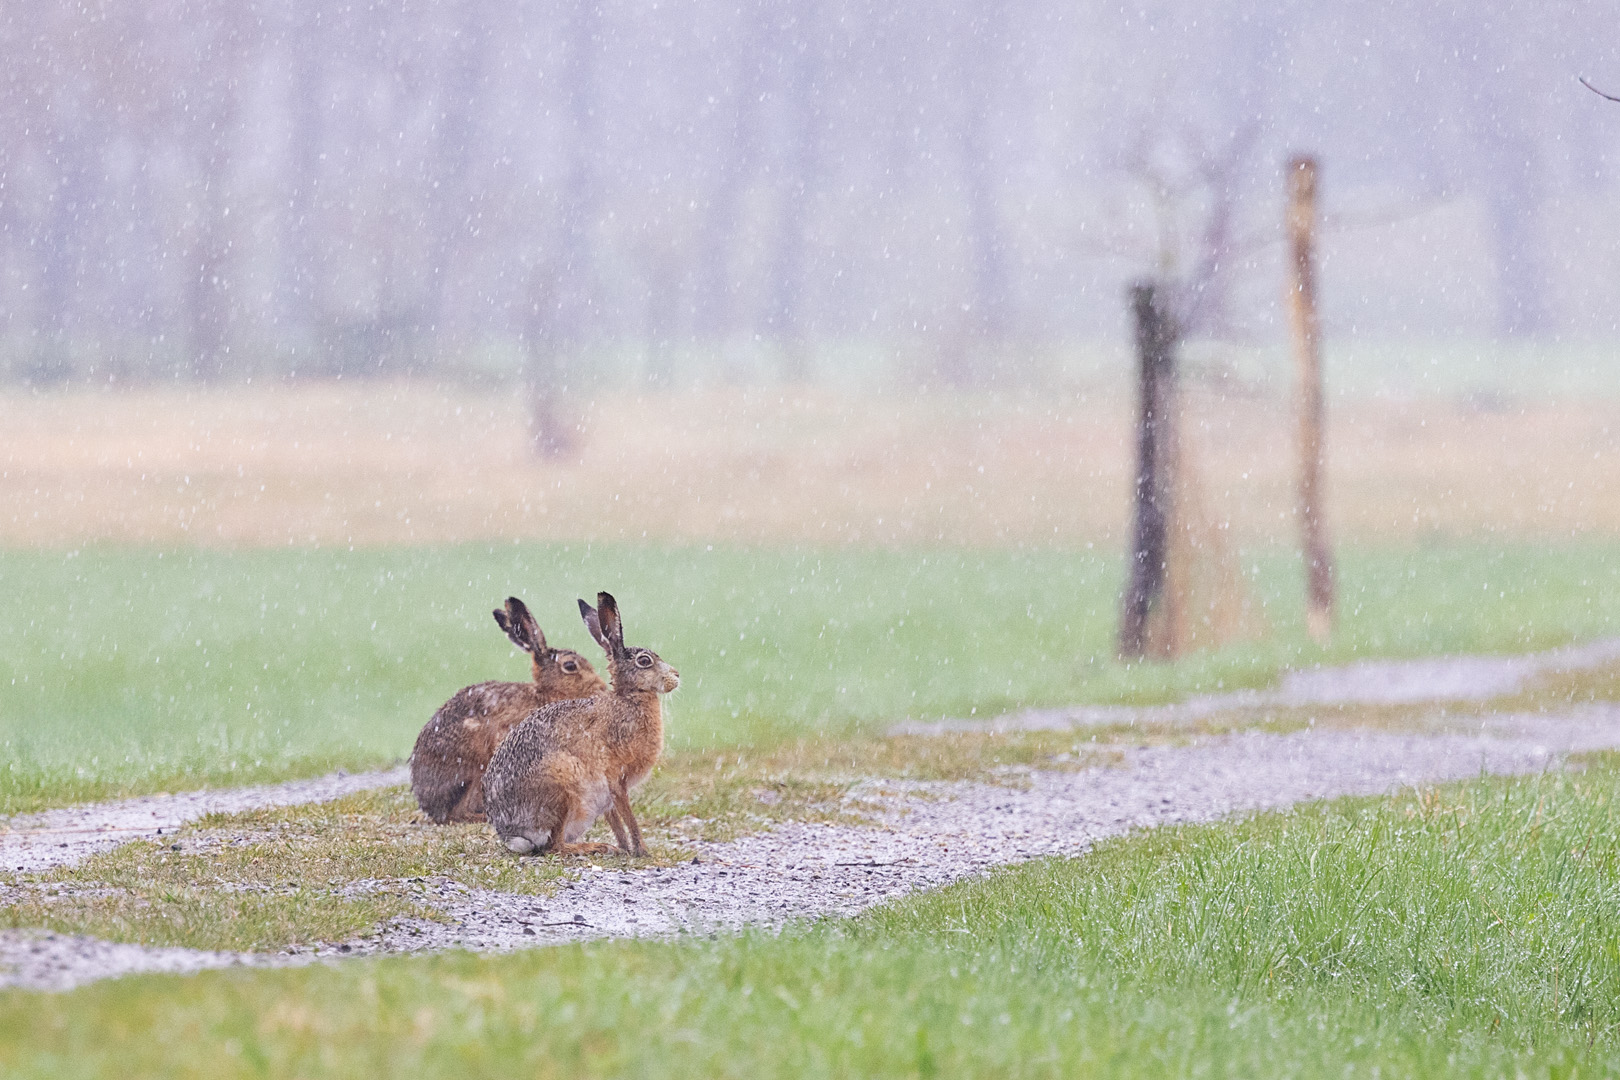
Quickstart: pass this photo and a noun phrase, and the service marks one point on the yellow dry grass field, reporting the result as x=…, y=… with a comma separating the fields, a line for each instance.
x=392, y=463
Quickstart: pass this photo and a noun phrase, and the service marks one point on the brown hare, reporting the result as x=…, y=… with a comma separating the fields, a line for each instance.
x=447, y=766
x=571, y=761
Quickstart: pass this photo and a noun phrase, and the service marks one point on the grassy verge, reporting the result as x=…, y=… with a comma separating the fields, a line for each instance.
x=1468, y=930
x=132, y=670
x=270, y=879
x=283, y=879
x=1565, y=689
x=710, y=795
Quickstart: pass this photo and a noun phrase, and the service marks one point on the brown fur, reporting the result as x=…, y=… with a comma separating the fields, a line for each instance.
x=447, y=766
x=568, y=763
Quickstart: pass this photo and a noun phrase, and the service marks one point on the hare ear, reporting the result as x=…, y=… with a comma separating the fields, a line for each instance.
x=607, y=610
x=521, y=627
x=593, y=623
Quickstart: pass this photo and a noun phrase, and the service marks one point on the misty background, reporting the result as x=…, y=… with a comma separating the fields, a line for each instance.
x=660, y=191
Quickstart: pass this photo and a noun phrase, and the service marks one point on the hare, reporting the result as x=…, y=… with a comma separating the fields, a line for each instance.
x=447, y=766
x=571, y=761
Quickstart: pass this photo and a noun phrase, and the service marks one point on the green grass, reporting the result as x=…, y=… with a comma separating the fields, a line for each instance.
x=130, y=670
x=1471, y=930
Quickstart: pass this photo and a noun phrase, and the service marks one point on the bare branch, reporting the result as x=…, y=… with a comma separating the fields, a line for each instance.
x=1338, y=224
x=1394, y=215
x=1595, y=90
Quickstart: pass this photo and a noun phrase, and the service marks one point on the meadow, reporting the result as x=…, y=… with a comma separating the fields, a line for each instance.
x=806, y=329
x=249, y=584
x=131, y=669
x=382, y=464
x=219, y=586
x=1467, y=930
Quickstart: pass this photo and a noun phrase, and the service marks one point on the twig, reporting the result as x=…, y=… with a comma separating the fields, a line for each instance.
x=1395, y=215
x=1595, y=90
x=892, y=862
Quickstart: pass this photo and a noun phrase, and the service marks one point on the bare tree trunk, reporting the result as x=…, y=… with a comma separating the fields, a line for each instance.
x=60, y=261
x=662, y=269
x=801, y=40
x=712, y=309
x=1308, y=355
x=300, y=303
x=561, y=287
x=208, y=299
x=450, y=194
x=991, y=291
x=1147, y=601
x=1206, y=300
x=12, y=320
x=1521, y=288
x=211, y=134
x=988, y=305
x=1509, y=143
x=550, y=433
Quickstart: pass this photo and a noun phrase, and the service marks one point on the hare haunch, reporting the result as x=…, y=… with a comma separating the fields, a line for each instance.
x=447, y=766
x=570, y=762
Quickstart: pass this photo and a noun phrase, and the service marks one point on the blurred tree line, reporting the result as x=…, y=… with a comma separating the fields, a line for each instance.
x=207, y=188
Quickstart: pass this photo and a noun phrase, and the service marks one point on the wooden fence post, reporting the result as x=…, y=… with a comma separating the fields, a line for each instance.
x=1307, y=336
x=1156, y=452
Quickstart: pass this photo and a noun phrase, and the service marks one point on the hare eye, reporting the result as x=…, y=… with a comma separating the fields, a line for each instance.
x=643, y=660
x=569, y=666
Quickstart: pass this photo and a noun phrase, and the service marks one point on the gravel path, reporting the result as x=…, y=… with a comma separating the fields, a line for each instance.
x=1366, y=682
x=932, y=834
x=37, y=842
x=1441, y=678
x=40, y=960
x=34, y=842
x=924, y=835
